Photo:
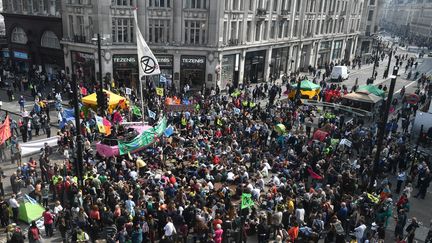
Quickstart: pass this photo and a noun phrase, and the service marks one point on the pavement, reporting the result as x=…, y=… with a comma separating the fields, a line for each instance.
x=419, y=208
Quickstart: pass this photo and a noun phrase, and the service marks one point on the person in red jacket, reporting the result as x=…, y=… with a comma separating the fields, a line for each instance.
x=48, y=222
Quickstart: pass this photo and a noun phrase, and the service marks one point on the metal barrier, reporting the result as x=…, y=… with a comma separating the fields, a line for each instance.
x=355, y=111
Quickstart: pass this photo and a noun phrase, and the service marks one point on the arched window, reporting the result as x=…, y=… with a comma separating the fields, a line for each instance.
x=19, y=36
x=50, y=40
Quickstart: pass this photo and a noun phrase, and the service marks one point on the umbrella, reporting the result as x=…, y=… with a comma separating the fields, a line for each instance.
x=280, y=128
x=308, y=85
x=371, y=89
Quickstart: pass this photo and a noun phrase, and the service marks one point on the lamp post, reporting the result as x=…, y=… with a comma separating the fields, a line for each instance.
x=79, y=155
x=375, y=60
x=388, y=65
x=101, y=93
x=381, y=126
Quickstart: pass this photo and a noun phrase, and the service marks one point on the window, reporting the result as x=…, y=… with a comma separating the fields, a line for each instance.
x=280, y=31
x=275, y=5
x=235, y=4
x=195, y=32
x=251, y=5
x=370, y=15
x=273, y=30
x=160, y=3
x=122, y=30
x=225, y=33
x=258, y=31
x=295, y=29
x=71, y=27
x=124, y=2
x=249, y=31
x=159, y=31
x=286, y=29
x=49, y=39
x=317, y=27
x=264, y=36
x=372, y=2
x=298, y=6
x=233, y=34
x=288, y=7
x=80, y=22
x=200, y=4
x=90, y=27
x=19, y=36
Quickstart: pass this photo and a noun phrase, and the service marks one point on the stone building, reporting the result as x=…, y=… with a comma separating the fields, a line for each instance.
x=33, y=30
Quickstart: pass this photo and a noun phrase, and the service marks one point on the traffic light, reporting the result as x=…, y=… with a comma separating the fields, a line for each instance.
x=101, y=100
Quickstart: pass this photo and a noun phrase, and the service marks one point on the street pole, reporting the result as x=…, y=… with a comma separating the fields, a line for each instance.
x=388, y=65
x=381, y=127
x=142, y=98
x=100, y=67
x=416, y=150
x=375, y=60
x=79, y=156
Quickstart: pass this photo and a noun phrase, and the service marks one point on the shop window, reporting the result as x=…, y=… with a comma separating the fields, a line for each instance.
x=19, y=36
x=49, y=40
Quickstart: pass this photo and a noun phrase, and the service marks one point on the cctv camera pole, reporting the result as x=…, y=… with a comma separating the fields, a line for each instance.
x=79, y=156
x=381, y=128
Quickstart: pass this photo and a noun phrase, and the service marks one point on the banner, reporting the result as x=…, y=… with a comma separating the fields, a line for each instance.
x=151, y=114
x=33, y=147
x=314, y=175
x=246, y=201
x=147, y=61
x=144, y=139
x=5, y=132
x=99, y=123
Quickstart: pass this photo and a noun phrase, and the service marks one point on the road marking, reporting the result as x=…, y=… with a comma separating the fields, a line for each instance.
x=406, y=86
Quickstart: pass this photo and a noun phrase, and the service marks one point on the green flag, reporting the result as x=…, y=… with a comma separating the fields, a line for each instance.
x=144, y=139
x=246, y=201
x=136, y=111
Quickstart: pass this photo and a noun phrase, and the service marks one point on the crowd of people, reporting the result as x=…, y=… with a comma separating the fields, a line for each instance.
x=189, y=186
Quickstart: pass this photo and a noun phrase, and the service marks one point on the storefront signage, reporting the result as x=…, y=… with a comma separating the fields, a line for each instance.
x=84, y=55
x=121, y=59
x=20, y=55
x=165, y=61
x=193, y=60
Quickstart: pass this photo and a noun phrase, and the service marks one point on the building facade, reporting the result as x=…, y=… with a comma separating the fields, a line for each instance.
x=409, y=19
x=205, y=42
x=33, y=29
x=369, y=26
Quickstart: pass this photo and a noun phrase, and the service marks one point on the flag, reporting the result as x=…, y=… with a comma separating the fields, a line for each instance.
x=246, y=201
x=169, y=131
x=160, y=91
x=151, y=114
x=373, y=198
x=66, y=116
x=136, y=111
x=5, y=132
x=162, y=79
x=100, y=125
x=107, y=125
x=147, y=61
x=314, y=175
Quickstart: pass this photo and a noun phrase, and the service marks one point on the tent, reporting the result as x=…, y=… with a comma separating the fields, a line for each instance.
x=307, y=88
x=30, y=210
x=362, y=97
x=114, y=99
x=308, y=85
x=371, y=89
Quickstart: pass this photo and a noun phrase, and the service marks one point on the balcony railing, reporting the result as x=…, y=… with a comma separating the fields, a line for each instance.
x=79, y=39
x=233, y=42
x=261, y=12
x=284, y=12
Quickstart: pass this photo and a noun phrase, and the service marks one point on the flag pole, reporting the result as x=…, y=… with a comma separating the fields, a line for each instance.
x=142, y=99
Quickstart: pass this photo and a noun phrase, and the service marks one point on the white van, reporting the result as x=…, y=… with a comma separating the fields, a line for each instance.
x=339, y=71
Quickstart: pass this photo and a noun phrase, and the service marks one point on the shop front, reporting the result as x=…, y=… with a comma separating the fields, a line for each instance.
x=52, y=61
x=193, y=72
x=229, y=71
x=254, y=67
x=324, y=54
x=125, y=71
x=166, y=66
x=22, y=60
x=5, y=55
x=83, y=66
x=279, y=62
